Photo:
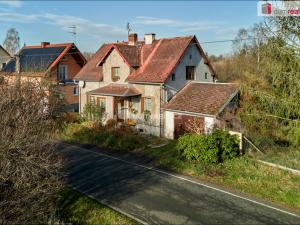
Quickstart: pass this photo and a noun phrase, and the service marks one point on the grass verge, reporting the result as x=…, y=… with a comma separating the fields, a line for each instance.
x=78, y=209
x=289, y=157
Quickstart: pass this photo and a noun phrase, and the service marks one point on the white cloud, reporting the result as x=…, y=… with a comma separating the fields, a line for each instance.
x=185, y=26
x=64, y=22
x=16, y=17
x=12, y=3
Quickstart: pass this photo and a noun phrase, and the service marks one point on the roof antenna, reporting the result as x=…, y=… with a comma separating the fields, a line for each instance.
x=128, y=27
x=73, y=32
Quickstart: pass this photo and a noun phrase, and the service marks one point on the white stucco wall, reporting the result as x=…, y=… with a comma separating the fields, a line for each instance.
x=173, y=87
x=169, y=125
x=89, y=86
x=209, y=123
x=4, y=57
x=115, y=60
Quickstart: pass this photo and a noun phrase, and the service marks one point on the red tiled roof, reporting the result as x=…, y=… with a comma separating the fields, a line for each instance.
x=92, y=72
x=203, y=98
x=122, y=90
x=161, y=61
x=155, y=61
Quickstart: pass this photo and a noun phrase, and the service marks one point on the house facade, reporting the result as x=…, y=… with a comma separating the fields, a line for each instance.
x=4, y=57
x=133, y=80
x=56, y=63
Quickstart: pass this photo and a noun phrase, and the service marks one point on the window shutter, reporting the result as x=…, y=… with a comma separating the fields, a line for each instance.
x=142, y=104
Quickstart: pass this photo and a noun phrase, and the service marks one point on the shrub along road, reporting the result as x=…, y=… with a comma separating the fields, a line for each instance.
x=157, y=197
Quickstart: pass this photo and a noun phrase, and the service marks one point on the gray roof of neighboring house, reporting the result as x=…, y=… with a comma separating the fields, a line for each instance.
x=34, y=59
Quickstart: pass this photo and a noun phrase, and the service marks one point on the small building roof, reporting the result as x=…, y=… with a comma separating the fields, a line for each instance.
x=118, y=90
x=202, y=98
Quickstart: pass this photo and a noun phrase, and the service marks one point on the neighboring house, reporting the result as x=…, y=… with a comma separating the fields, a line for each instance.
x=4, y=57
x=57, y=63
x=133, y=80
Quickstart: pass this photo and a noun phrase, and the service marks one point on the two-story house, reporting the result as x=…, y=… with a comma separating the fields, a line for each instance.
x=133, y=80
x=56, y=63
x=4, y=57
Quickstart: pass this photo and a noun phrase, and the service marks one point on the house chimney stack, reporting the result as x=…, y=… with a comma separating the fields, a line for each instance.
x=132, y=39
x=44, y=44
x=149, y=38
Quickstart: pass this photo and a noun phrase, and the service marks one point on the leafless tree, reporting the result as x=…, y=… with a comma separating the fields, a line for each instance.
x=12, y=41
x=29, y=166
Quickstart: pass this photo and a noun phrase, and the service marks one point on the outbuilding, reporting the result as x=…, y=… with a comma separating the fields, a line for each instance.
x=198, y=104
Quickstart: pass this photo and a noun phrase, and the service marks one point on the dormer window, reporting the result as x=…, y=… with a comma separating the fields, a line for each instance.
x=115, y=74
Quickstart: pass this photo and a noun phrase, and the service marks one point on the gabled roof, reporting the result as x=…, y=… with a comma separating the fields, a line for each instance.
x=92, y=72
x=202, y=98
x=163, y=58
x=154, y=62
x=129, y=53
x=41, y=59
x=120, y=90
x=4, y=50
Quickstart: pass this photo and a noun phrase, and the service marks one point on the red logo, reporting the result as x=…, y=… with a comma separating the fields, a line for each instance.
x=266, y=8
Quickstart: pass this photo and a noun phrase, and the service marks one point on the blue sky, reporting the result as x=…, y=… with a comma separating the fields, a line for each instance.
x=103, y=21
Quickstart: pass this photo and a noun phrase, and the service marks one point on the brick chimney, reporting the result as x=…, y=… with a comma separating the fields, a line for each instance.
x=44, y=44
x=132, y=39
x=149, y=38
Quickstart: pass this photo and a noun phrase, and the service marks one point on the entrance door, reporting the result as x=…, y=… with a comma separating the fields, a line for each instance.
x=121, y=110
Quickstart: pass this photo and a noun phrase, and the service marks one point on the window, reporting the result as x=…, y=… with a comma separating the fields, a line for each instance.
x=146, y=104
x=92, y=100
x=115, y=74
x=101, y=102
x=62, y=72
x=75, y=91
x=191, y=56
x=134, y=104
x=173, y=76
x=205, y=75
x=190, y=73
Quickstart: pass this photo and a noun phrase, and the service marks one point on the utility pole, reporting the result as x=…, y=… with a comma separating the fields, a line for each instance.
x=18, y=70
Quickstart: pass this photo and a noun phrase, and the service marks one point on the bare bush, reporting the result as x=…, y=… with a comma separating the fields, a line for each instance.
x=29, y=166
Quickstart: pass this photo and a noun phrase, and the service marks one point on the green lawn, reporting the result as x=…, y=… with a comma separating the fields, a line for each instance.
x=79, y=209
x=289, y=157
x=244, y=174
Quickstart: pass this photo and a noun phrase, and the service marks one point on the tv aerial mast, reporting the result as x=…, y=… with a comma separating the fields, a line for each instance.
x=73, y=32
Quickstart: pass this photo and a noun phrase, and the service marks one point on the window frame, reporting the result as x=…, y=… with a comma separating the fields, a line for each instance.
x=190, y=75
x=173, y=76
x=114, y=75
x=76, y=92
x=144, y=100
x=62, y=76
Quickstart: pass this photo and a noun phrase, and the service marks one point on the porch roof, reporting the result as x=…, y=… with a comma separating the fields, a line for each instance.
x=118, y=90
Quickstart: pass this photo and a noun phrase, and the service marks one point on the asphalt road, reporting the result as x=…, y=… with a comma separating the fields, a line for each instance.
x=157, y=197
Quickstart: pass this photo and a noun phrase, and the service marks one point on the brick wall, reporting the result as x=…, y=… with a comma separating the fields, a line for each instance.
x=73, y=68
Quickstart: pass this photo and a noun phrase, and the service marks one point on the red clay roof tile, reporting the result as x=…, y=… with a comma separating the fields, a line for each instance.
x=204, y=98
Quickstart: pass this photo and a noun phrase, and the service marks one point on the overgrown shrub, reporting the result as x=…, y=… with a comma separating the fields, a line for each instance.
x=212, y=148
x=122, y=138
